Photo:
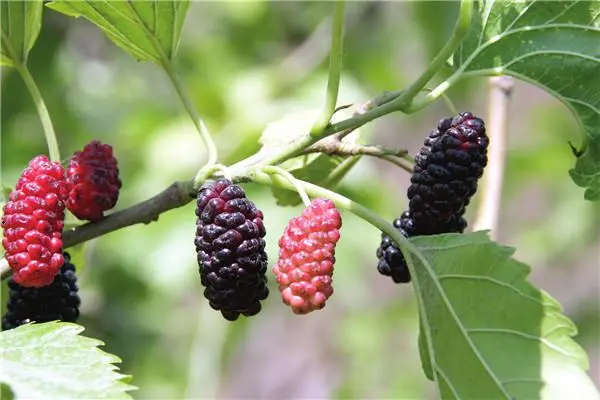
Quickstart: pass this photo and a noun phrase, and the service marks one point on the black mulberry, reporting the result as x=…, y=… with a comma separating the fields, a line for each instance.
x=231, y=249
x=444, y=179
x=57, y=301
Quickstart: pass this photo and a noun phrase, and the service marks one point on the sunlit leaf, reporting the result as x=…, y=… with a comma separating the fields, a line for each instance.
x=148, y=30
x=552, y=44
x=486, y=332
x=52, y=361
x=21, y=22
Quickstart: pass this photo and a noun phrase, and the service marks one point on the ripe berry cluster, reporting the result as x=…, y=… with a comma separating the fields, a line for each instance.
x=231, y=249
x=33, y=221
x=443, y=181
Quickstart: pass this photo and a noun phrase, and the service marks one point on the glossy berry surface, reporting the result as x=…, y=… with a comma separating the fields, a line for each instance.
x=93, y=178
x=307, y=256
x=57, y=301
x=231, y=249
x=33, y=221
x=444, y=179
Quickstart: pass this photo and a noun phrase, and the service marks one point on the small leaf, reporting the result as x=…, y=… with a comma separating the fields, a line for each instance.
x=148, y=30
x=21, y=22
x=553, y=44
x=486, y=332
x=51, y=361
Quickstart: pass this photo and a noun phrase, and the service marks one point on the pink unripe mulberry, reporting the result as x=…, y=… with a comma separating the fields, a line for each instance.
x=307, y=255
x=33, y=221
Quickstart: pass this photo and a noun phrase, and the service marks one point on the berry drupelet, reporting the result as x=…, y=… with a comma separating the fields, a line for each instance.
x=444, y=179
x=307, y=256
x=57, y=301
x=231, y=249
x=33, y=221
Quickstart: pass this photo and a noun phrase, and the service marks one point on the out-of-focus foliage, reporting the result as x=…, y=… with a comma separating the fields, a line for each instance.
x=246, y=64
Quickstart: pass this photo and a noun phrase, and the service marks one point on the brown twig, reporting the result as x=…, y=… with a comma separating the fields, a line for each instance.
x=498, y=102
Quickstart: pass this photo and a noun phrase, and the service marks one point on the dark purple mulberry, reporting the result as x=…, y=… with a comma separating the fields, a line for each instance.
x=444, y=179
x=57, y=301
x=231, y=249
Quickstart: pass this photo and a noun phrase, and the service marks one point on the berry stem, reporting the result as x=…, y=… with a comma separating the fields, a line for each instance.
x=335, y=69
x=258, y=176
x=34, y=91
x=211, y=148
x=273, y=170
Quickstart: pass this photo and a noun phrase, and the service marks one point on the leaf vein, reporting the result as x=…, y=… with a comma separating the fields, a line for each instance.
x=492, y=280
x=526, y=336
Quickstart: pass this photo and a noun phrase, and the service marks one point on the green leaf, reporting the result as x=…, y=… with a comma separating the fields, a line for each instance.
x=486, y=332
x=552, y=44
x=148, y=30
x=321, y=169
x=21, y=22
x=51, y=361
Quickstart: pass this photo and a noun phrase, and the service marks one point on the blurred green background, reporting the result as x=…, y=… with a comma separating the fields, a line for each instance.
x=246, y=64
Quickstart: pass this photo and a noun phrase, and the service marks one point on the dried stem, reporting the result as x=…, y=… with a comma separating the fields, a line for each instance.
x=498, y=102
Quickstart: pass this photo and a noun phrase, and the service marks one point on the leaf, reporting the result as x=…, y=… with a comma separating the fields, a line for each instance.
x=148, y=30
x=318, y=168
x=552, y=44
x=51, y=360
x=21, y=22
x=486, y=332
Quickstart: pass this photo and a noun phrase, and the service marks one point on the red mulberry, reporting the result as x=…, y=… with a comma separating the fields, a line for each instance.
x=94, y=184
x=231, y=249
x=307, y=255
x=33, y=222
x=443, y=181
x=57, y=301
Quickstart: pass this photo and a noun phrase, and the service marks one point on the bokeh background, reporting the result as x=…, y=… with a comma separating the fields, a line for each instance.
x=246, y=64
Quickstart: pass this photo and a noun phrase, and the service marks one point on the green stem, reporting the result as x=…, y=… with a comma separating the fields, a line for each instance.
x=272, y=170
x=403, y=100
x=40, y=105
x=335, y=69
x=436, y=93
x=211, y=148
x=460, y=30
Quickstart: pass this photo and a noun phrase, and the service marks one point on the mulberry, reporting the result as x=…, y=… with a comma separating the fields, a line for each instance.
x=57, y=301
x=231, y=249
x=307, y=256
x=33, y=222
x=444, y=179
x=93, y=178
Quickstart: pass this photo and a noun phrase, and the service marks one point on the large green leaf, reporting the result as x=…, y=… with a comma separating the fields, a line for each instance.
x=148, y=30
x=486, y=332
x=51, y=361
x=20, y=22
x=553, y=44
